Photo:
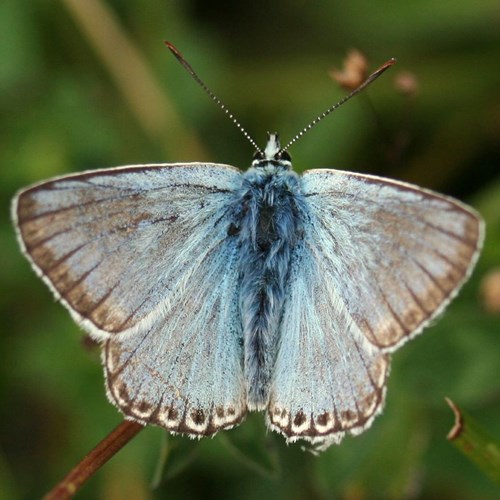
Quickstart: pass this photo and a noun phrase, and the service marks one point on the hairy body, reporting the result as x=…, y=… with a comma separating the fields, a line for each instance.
x=269, y=226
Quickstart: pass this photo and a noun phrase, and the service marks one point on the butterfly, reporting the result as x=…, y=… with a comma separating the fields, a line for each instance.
x=215, y=292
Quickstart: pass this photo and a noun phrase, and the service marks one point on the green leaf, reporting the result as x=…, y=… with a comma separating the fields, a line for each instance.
x=475, y=443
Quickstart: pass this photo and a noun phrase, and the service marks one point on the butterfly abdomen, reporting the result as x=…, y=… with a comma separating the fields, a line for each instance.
x=268, y=231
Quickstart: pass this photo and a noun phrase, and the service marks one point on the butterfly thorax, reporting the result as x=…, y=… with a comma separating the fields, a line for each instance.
x=270, y=205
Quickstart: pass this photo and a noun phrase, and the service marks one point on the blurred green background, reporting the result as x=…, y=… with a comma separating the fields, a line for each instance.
x=89, y=84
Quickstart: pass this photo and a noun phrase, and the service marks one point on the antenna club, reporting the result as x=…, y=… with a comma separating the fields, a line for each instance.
x=212, y=96
x=174, y=50
x=388, y=64
x=323, y=115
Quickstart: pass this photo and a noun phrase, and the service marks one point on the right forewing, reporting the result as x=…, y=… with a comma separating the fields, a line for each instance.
x=116, y=245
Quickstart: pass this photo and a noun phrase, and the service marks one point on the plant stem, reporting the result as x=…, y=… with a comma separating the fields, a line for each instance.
x=105, y=450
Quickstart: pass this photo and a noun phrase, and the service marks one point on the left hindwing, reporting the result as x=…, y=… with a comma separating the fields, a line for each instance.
x=325, y=382
x=185, y=372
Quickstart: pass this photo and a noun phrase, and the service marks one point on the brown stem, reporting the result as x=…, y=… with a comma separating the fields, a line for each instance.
x=110, y=445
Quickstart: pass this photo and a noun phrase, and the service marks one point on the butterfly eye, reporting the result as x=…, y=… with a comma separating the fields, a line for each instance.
x=259, y=155
x=283, y=155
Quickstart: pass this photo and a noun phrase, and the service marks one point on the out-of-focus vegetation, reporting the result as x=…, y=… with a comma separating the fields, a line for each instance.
x=89, y=84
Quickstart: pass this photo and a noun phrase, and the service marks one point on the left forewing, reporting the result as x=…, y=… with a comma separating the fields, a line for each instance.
x=397, y=253
x=114, y=245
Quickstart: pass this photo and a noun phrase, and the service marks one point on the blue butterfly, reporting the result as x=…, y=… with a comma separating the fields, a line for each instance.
x=215, y=292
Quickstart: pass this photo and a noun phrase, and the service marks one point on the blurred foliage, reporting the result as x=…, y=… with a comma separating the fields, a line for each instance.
x=89, y=84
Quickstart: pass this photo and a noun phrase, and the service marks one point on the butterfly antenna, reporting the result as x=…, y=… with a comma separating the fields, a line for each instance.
x=367, y=82
x=214, y=98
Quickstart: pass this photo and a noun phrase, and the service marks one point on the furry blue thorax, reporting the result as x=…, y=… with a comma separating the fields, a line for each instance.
x=271, y=210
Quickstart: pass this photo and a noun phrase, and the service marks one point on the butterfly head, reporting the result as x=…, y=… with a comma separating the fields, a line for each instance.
x=273, y=154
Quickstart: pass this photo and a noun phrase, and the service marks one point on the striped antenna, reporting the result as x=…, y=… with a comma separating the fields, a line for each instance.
x=203, y=85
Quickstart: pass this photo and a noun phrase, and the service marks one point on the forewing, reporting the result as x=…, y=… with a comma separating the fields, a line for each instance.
x=185, y=372
x=116, y=245
x=396, y=253
x=326, y=381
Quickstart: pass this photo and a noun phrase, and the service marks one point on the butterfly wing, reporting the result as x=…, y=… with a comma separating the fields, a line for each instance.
x=379, y=259
x=115, y=245
x=141, y=257
x=185, y=372
x=398, y=253
x=325, y=382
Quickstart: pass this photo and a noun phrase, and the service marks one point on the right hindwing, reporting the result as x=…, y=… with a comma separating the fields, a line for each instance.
x=326, y=381
x=185, y=372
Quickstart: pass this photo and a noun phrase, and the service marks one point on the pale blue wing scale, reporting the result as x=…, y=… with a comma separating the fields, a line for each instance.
x=397, y=253
x=116, y=245
x=185, y=372
x=325, y=381
x=378, y=260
